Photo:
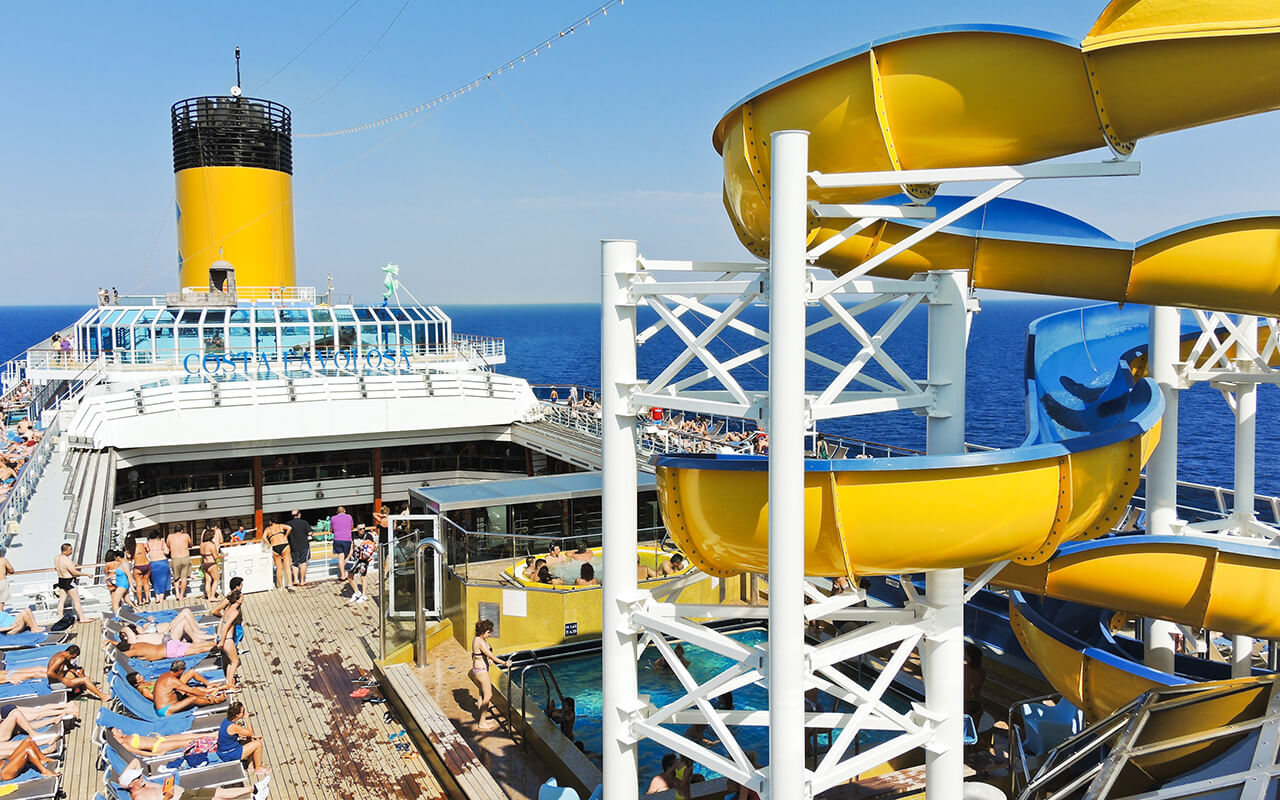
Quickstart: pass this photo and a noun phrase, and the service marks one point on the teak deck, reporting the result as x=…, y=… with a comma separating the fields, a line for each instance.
x=304, y=650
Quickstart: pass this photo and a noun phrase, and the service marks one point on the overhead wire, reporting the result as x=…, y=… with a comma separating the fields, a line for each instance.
x=317, y=38
x=367, y=53
x=489, y=75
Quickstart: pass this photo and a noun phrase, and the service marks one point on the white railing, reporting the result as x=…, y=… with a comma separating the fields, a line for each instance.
x=166, y=397
x=485, y=347
x=651, y=438
x=14, y=504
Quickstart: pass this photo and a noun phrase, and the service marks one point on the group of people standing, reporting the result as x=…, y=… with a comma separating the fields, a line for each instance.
x=160, y=565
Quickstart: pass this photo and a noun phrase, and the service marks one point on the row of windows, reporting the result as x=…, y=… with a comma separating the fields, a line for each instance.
x=154, y=334
x=151, y=480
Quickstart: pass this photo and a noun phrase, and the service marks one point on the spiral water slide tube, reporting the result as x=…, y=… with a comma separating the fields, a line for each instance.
x=991, y=96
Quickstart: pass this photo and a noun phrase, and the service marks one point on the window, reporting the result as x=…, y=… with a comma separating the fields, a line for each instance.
x=265, y=315
x=294, y=315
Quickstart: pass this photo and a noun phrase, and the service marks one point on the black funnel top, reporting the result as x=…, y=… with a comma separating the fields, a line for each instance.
x=232, y=132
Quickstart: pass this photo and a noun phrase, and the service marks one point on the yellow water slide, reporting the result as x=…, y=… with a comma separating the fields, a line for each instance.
x=1005, y=96
x=994, y=95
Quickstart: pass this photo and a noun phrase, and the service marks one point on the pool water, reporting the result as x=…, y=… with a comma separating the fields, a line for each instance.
x=579, y=678
x=570, y=570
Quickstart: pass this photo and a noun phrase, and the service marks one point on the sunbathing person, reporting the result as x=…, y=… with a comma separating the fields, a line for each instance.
x=139, y=788
x=40, y=716
x=148, y=690
x=25, y=754
x=174, y=648
x=184, y=626
x=581, y=554
x=230, y=632
x=62, y=669
x=644, y=572
x=24, y=620
x=21, y=675
x=15, y=721
x=154, y=745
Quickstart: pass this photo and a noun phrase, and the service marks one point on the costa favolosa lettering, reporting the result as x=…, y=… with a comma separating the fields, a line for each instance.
x=348, y=359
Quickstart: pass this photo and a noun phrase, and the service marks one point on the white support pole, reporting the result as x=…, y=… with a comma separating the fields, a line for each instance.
x=1162, y=469
x=619, y=645
x=1245, y=443
x=787, y=281
x=942, y=652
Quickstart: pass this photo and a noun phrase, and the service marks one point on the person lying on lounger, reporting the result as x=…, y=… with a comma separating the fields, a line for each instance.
x=140, y=788
x=13, y=721
x=174, y=648
x=62, y=669
x=25, y=754
x=182, y=627
x=23, y=620
x=170, y=695
x=155, y=745
x=20, y=675
x=40, y=716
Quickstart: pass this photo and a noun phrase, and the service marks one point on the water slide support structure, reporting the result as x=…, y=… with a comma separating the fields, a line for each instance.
x=1162, y=469
x=636, y=619
x=619, y=650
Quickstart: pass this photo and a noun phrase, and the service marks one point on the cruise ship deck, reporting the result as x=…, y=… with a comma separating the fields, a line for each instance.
x=301, y=654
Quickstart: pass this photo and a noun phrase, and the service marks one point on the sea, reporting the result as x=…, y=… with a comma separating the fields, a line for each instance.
x=559, y=344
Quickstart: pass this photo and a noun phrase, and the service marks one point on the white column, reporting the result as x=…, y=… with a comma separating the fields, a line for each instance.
x=1162, y=468
x=1246, y=444
x=787, y=281
x=619, y=651
x=942, y=652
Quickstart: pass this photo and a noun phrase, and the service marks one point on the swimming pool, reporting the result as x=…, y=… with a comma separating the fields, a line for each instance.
x=568, y=571
x=579, y=678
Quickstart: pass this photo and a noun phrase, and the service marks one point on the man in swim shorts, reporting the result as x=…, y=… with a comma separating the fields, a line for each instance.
x=62, y=669
x=68, y=571
x=179, y=542
x=299, y=547
x=174, y=648
x=173, y=691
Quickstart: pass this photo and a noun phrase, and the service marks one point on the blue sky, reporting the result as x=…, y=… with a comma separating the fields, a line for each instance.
x=503, y=195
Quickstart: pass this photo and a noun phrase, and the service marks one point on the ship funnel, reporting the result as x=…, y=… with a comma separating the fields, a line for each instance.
x=233, y=179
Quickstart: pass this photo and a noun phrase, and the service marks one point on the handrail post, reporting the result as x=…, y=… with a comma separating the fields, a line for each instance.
x=420, y=617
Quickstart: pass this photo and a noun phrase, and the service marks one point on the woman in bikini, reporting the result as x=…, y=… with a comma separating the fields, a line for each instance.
x=141, y=571
x=209, y=563
x=481, y=656
x=158, y=556
x=278, y=538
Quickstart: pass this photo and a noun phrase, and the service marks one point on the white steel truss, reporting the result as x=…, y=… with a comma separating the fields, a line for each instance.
x=703, y=379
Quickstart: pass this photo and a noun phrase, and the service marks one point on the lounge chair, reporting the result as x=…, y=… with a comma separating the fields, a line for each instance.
x=117, y=757
x=200, y=610
x=30, y=656
x=36, y=787
x=151, y=670
x=18, y=641
x=209, y=776
x=165, y=726
x=10, y=691
x=133, y=702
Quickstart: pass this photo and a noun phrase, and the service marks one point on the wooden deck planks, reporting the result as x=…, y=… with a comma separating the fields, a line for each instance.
x=80, y=774
x=304, y=651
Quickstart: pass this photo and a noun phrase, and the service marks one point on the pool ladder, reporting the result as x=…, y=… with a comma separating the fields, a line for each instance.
x=549, y=683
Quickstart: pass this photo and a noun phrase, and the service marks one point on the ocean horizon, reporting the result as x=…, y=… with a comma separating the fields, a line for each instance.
x=559, y=343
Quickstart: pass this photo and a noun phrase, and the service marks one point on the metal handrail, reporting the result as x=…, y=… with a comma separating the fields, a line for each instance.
x=543, y=669
x=14, y=504
x=420, y=615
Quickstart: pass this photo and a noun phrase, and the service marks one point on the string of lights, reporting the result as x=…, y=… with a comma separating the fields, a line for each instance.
x=453, y=94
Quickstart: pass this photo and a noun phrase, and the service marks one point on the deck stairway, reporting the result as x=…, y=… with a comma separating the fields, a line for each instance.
x=578, y=447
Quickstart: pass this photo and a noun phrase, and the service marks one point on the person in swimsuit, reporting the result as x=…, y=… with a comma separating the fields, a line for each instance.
x=158, y=556
x=545, y=576
x=141, y=572
x=231, y=631
x=139, y=788
x=21, y=675
x=184, y=626
x=6, y=569
x=24, y=620
x=118, y=578
x=555, y=556
x=209, y=563
x=238, y=742
x=154, y=745
x=26, y=754
x=62, y=669
x=174, y=648
x=173, y=691
x=481, y=656
x=278, y=538
x=68, y=571
x=40, y=716
x=587, y=576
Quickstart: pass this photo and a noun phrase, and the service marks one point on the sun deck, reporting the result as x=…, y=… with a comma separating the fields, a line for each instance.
x=304, y=649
